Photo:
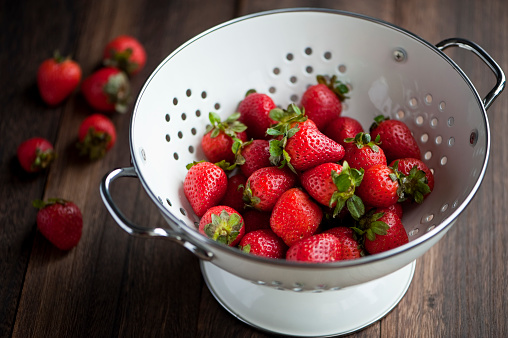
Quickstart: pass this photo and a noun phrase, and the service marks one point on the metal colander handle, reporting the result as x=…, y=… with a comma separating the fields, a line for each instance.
x=137, y=230
x=482, y=54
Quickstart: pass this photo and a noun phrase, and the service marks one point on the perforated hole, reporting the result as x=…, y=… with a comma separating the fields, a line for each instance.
x=327, y=55
x=428, y=99
x=442, y=105
x=443, y=160
x=293, y=79
x=276, y=70
x=175, y=156
x=294, y=98
x=193, y=131
x=272, y=90
x=203, y=95
x=167, y=118
x=183, y=212
x=451, y=141
x=308, y=51
x=198, y=113
x=342, y=68
x=413, y=232
x=439, y=140
x=419, y=120
x=427, y=155
x=184, y=116
x=188, y=92
x=400, y=114
x=191, y=149
x=217, y=106
x=168, y=138
x=290, y=57
x=180, y=134
x=444, y=207
x=451, y=121
x=432, y=227
x=428, y=218
x=413, y=102
x=433, y=122
x=309, y=69
x=424, y=138
x=169, y=202
x=175, y=101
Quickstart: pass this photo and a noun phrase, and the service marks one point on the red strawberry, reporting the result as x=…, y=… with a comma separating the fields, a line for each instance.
x=126, y=53
x=266, y=185
x=254, y=155
x=35, y=154
x=299, y=143
x=254, y=110
x=382, y=232
x=334, y=186
x=96, y=136
x=320, y=248
x=204, y=186
x=222, y=224
x=256, y=220
x=60, y=221
x=342, y=128
x=322, y=102
x=350, y=247
x=417, y=179
x=379, y=187
x=264, y=243
x=234, y=193
x=217, y=143
x=295, y=216
x=397, y=140
x=395, y=208
x=364, y=153
x=107, y=89
x=57, y=78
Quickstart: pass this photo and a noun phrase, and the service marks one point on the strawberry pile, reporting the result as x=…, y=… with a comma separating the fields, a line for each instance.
x=305, y=183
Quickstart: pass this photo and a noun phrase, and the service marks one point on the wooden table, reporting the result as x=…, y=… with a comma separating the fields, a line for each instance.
x=113, y=284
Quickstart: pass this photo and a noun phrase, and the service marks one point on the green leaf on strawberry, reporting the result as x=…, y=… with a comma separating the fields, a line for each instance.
x=338, y=87
x=346, y=182
x=230, y=126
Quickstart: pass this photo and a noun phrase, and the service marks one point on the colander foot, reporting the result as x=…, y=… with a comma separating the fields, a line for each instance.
x=307, y=314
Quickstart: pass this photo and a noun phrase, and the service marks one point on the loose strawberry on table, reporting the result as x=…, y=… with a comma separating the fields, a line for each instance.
x=263, y=242
x=333, y=185
x=266, y=185
x=217, y=143
x=96, y=136
x=35, y=154
x=396, y=138
x=254, y=110
x=204, y=186
x=126, y=53
x=57, y=78
x=107, y=90
x=295, y=216
x=322, y=102
x=222, y=224
x=60, y=221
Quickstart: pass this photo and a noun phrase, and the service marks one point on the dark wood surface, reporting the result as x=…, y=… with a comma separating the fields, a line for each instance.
x=113, y=284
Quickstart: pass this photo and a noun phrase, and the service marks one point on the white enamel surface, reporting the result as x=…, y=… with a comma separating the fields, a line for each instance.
x=308, y=314
x=279, y=54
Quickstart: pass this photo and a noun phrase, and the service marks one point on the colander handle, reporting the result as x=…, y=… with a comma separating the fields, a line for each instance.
x=137, y=230
x=482, y=54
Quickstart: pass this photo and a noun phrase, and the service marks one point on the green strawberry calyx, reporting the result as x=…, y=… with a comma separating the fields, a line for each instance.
x=377, y=121
x=230, y=126
x=286, y=128
x=346, y=183
x=117, y=90
x=249, y=198
x=224, y=227
x=413, y=186
x=40, y=204
x=43, y=158
x=365, y=140
x=370, y=226
x=94, y=145
x=121, y=60
x=339, y=88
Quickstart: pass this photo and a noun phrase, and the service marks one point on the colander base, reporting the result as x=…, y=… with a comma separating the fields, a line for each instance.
x=307, y=314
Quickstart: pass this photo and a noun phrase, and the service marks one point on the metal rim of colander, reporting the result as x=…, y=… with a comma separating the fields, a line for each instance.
x=195, y=237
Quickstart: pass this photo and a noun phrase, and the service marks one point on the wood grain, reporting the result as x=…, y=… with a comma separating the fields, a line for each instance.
x=114, y=284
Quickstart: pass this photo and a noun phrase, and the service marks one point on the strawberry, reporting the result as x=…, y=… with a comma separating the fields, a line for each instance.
x=217, y=143
x=107, y=90
x=295, y=216
x=204, y=186
x=256, y=220
x=264, y=243
x=379, y=187
x=60, y=221
x=365, y=152
x=342, y=128
x=222, y=224
x=351, y=249
x=234, y=193
x=35, y=154
x=395, y=208
x=320, y=248
x=299, y=142
x=322, y=102
x=333, y=185
x=126, y=53
x=254, y=110
x=382, y=231
x=253, y=155
x=96, y=136
x=416, y=177
x=57, y=78
x=396, y=139
x=266, y=185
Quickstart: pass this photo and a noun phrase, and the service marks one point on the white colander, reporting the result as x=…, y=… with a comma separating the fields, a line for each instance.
x=389, y=71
